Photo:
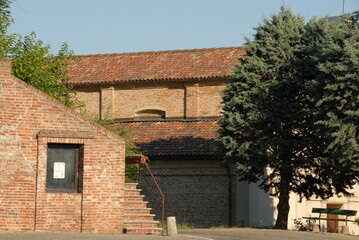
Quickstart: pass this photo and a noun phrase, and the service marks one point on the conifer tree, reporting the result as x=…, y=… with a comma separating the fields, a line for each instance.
x=335, y=53
x=273, y=128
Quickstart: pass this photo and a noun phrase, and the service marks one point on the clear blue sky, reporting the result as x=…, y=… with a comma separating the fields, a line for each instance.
x=115, y=26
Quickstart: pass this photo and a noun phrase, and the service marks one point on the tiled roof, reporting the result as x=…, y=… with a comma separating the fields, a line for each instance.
x=176, y=138
x=194, y=64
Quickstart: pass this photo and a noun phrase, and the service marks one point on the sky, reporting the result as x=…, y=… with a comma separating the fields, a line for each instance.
x=117, y=26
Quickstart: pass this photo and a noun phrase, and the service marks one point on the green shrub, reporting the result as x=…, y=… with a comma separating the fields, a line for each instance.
x=131, y=170
x=184, y=226
x=180, y=226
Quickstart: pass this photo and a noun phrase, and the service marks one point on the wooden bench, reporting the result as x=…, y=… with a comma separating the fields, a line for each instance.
x=346, y=213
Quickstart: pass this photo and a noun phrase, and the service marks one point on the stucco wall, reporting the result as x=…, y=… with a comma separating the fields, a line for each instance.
x=304, y=209
x=255, y=208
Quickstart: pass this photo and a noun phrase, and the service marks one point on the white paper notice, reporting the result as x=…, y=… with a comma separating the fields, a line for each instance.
x=59, y=170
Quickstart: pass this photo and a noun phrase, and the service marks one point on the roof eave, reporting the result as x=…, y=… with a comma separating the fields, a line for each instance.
x=118, y=82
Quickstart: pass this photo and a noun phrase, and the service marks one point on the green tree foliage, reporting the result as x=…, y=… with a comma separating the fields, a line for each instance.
x=33, y=63
x=131, y=170
x=126, y=133
x=335, y=52
x=6, y=40
x=5, y=16
x=280, y=125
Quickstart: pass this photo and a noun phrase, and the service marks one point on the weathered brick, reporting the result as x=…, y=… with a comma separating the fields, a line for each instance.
x=29, y=120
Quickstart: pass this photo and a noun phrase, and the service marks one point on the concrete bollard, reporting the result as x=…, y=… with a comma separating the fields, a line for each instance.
x=171, y=226
x=315, y=228
x=345, y=230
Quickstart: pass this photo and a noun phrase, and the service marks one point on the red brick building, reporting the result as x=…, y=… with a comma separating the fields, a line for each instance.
x=58, y=171
x=171, y=100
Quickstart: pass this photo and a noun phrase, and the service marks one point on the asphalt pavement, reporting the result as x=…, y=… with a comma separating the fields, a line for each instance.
x=196, y=234
x=261, y=234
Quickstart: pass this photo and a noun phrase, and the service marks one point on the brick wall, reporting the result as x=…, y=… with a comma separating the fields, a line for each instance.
x=133, y=98
x=187, y=99
x=29, y=121
x=91, y=96
x=210, y=98
x=197, y=195
x=196, y=191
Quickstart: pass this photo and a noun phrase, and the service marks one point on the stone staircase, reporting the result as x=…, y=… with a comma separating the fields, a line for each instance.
x=138, y=218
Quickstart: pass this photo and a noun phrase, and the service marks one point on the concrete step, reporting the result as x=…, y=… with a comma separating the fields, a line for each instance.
x=138, y=217
x=137, y=210
x=131, y=186
x=129, y=192
x=135, y=204
x=141, y=223
x=134, y=217
x=129, y=196
x=139, y=230
x=134, y=197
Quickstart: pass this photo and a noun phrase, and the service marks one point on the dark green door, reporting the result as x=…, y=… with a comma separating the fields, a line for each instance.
x=62, y=167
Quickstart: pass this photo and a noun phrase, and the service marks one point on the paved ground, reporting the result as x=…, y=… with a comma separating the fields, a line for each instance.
x=261, y=234
x=197, y=234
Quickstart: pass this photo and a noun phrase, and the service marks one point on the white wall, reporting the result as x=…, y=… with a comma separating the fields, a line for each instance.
x=256, y=209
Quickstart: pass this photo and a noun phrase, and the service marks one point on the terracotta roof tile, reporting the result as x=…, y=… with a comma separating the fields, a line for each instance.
x=155, y=66
x=176, y=137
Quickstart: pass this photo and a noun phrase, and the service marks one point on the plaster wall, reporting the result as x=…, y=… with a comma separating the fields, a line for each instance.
x=260, y=209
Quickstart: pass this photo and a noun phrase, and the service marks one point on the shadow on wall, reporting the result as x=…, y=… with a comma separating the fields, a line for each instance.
x=254, y=206
x=181, y=146
x=197, y=194
x=263, y=208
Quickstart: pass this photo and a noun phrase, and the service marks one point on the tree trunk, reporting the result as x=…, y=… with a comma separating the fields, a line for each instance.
x=283, y=204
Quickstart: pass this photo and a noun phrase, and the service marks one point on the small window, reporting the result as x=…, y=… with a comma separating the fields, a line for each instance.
x=62, y=167
x=150, y=114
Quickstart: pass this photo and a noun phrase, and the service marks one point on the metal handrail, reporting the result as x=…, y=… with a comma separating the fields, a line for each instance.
x=143, y=160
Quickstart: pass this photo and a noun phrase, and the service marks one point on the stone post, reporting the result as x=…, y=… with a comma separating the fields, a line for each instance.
x=171, y=226
x=346, y=230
